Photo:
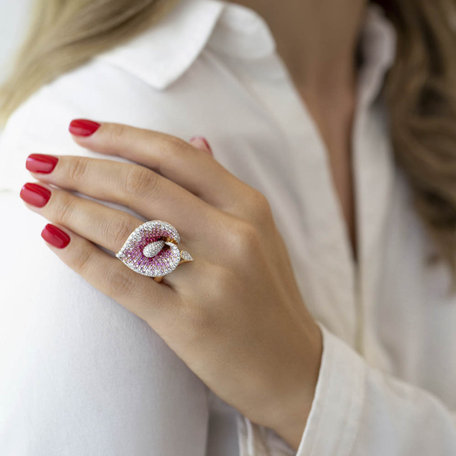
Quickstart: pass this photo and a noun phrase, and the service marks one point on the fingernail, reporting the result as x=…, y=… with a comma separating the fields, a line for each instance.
x=55, y=236
x=35, y=194
x=204, y=140
x=83, y=127
x=40, y=163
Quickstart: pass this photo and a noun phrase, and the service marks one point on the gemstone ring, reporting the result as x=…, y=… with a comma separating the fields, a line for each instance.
x=153, y=250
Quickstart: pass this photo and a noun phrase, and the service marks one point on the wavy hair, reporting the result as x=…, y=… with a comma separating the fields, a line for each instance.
x=420, y=92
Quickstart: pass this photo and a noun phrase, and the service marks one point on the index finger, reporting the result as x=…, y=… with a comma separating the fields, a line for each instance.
x=172, y=157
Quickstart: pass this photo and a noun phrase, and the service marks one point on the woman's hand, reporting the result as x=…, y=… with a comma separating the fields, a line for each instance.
x=234, y=314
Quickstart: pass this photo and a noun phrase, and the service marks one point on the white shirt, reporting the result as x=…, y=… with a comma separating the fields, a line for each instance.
x=80, y=375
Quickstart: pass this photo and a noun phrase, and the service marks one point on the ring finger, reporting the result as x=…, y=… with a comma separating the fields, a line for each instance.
x=104, y=226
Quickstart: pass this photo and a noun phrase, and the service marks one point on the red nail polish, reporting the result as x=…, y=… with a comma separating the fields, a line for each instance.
x=55, y=236
x=83, y=127
x=40, y=163
x=202, y=138
x=207, y=144
x=35, y=194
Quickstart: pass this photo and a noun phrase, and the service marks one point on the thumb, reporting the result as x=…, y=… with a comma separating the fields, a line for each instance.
x=201, y=143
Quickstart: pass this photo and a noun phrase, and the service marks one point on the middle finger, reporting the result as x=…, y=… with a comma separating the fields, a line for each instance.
x=134, y=186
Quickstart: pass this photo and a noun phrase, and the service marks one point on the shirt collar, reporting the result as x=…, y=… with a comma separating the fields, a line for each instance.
x=378, y=48
x=163, y=53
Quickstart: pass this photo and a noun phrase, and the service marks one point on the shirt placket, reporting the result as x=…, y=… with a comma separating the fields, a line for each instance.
x=328, y=281
x=373, y=171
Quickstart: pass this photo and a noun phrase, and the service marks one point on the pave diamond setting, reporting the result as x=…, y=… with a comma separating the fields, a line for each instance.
x=152, y=249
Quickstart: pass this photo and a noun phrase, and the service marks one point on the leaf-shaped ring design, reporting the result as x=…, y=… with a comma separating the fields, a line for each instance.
x=153, y=250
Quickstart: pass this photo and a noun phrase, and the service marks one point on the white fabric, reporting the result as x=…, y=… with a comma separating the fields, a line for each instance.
x=79, y=375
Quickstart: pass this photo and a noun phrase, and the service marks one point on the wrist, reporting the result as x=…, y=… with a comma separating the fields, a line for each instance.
x=291, y=419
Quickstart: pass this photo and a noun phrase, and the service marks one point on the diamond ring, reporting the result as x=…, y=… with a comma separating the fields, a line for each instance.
x=153, y=250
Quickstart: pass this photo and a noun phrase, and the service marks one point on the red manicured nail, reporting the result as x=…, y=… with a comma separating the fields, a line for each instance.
x=35, y=194
x=55, y=236
x=40, y=163
x=83, y=127
x=207, y=144
x=204, y=140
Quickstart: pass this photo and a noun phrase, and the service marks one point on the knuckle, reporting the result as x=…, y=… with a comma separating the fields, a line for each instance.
x=172, y=151
x=175, y=145
x=80, y=261
x=115, y=133
x=242, y=244
x=77, y=169
x=259, y=206
x=116, y=230
x=246, y=238
x=139, y=181
x=65, y=208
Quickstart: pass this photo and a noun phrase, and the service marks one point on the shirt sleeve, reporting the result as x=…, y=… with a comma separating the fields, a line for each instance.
x=360, y=411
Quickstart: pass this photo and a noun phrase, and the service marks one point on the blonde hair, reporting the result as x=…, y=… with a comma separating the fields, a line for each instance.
x=64, y=34
x=420, y=89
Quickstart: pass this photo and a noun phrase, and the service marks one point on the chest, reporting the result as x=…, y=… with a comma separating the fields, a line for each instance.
x=260, y=130
x=334, y=118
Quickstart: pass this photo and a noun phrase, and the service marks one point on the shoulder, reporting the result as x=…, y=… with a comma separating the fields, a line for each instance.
x=119, y=83
x=134, y=83
x=180, y=77
x=40, y=125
